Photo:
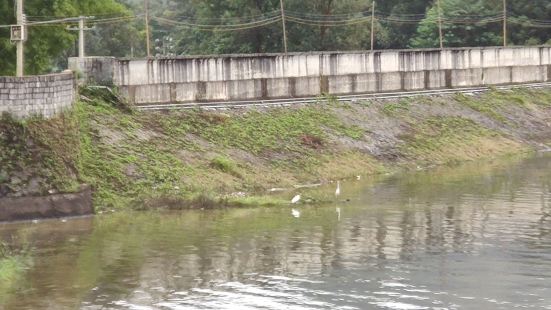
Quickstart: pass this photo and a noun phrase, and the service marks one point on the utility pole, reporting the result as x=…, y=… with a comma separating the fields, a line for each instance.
x=19, y=69
x=373, y=25
x=440, y=24
x=283, y=24
x=148, y=46
x=81, y=39
x=504, y=22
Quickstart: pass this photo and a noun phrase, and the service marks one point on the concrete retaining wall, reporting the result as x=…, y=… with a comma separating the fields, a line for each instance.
x=266, y=76
x=44, y=95
x=60, y=205
x=94, y=70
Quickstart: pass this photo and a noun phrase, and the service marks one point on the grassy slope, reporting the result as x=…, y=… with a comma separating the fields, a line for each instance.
x=132, y=157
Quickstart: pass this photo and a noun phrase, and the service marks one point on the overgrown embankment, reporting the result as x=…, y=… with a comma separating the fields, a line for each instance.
x=139, y=159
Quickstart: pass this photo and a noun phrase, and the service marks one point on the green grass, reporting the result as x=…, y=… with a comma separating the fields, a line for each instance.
x=278, y=130
x=396, y=108
x=12, y=269
x=445, y=140
x=438, y=132
x=223, y=164
x=494, y=103
x=48, y=148
x=106, y=167
x=486, y=105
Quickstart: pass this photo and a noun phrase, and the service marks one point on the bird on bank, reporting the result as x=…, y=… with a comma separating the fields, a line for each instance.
x=295, y=199
x=295, y=213
x=337, y=194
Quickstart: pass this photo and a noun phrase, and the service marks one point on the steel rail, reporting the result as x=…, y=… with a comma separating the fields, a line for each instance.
x=343, y=98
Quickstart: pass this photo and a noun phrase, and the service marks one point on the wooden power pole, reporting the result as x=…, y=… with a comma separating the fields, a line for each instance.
x=283, y=24
x=373, y=25
x=440, y=24
x=147, y=36
x=504, y=22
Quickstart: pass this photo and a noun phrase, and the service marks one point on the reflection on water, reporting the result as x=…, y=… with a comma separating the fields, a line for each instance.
x=473, y=237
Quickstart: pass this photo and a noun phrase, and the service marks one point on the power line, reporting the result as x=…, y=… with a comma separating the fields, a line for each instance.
x=217, y=25
x=240, y=19
x=224, y=24
x=220, y=27
x=313, y=22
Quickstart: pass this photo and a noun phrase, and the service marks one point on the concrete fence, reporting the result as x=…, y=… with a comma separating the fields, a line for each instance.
x=42, y=95
x=267, y=76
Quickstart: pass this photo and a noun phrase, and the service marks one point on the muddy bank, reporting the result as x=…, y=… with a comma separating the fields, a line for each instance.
x=234, y=156
x=51, y=206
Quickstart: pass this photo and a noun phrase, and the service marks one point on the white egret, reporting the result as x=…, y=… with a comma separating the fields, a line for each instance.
x=358, y=177
x=338, y=190
x=295, y=199
x=295, y=213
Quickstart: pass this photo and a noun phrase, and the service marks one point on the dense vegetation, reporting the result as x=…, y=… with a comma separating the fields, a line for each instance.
x=400, y=24
x=49, y=45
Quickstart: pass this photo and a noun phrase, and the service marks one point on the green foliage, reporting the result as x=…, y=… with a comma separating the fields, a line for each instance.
x=533, y=9
x=443, y=139
x=282, y=129
x=223, y=164
x=350, y=37
x=395, y=108
x=483, y=105
x=48, y=148
x=109, y=166
x=457, y=35
x=125, y=165
x=49, y=46
x=13, y=265
x=492, y=103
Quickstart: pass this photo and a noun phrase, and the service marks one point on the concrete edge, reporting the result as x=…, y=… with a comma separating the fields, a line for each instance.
x=451, y=49
x=51, y=206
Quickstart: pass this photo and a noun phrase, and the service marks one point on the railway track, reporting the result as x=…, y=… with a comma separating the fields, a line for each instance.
x=343, y=98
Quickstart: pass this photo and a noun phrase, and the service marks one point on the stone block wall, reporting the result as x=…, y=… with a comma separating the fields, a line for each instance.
x=41, y=95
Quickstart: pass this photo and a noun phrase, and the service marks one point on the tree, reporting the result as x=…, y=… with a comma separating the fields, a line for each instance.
x=519, y=33
x=211, y=12
x=399, y=34
x=48, y=45
x=459, y=34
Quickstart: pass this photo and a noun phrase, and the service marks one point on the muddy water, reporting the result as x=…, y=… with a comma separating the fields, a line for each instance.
x=471, y=237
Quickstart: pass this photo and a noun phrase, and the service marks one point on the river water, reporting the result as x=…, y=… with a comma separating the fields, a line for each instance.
x=476, y=236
